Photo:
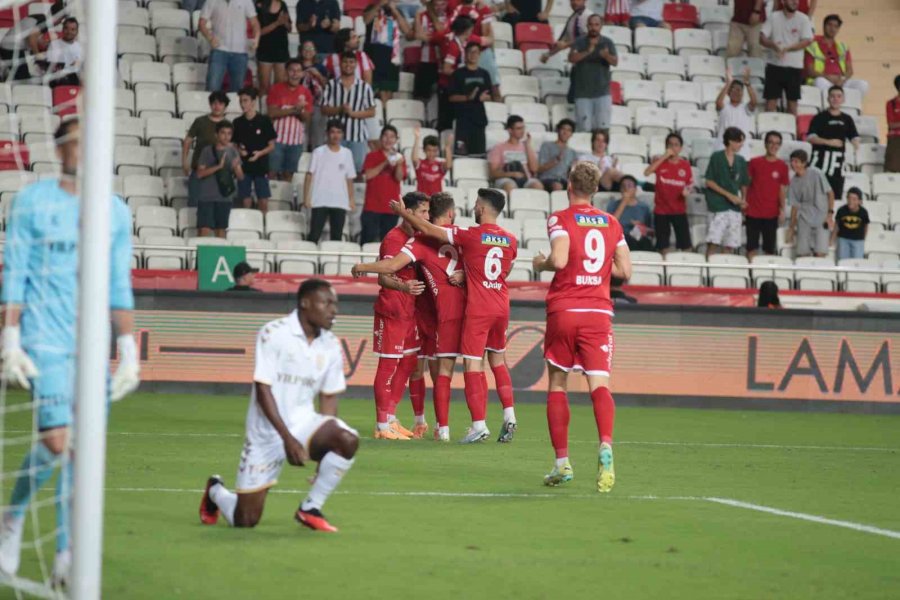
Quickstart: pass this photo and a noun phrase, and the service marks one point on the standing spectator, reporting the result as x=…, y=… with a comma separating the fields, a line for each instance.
x=618, y=12
x=592, y=56
x=513, y=162
x=892, y=153
x=852, y=225
x=314, y=78
x=454, y=56
x=328, y=189
x=431, y=170
x=384, y=169
x=482, y=16
x=828, y=61
x=254, y=138
x=384, y=26
x=634, y=215
x=470, y=88
x=786, y=34
x=64, y=55
x=575, y=27
x=674, y=180
x=217, y=169
x=812, y=207
x=526, y=11
x=317, y=22
x=807, y=7
x=647, y=13
x=828, y=132
x=766, y=197
x=726, y=187
x=556, y=158
x=352, y=101
x=746, y=22
x=202, y=133
x=21, y=47
x=347, y=40
x=431, y=27
x=273, y=53
x=610, y=175
x=224, y=24
x=289, y=104
x=735, y=112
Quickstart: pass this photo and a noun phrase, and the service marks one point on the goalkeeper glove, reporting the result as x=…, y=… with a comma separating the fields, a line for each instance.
x=17, y=367
x=127, y=377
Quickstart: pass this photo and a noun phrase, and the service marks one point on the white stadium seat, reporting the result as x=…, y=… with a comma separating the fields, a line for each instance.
x=651, y=121
x=246, y=220
x=646, y=274
x=706, y=69
x=156, y=221
x=298, y=264
x=690, y=276
x=682, y=95
x=631, y=66
x=783, y=279
x=689, y=42
x=722, y=277
x=642, y=93
x=815, y=280
x=653, y=40
x=285, y=225
x=665, y=67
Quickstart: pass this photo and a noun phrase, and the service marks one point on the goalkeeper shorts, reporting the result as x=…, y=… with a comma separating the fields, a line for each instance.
x=53, y=390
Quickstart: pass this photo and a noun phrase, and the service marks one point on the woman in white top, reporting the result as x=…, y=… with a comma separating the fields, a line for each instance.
x=609, y=166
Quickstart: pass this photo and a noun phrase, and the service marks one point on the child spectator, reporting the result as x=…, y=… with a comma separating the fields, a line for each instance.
x=219, y=165
x=431, y=170
x=852, y=222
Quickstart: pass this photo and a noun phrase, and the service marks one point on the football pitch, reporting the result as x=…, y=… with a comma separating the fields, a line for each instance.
x=707, y=504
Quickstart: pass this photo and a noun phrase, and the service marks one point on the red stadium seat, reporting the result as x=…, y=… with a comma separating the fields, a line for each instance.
x=531, y=36
x=355, y=8
x=680, y=16
x=13, y=156
x=8, y=16
x=65, y=99
x=803, y=122
x=615, y=88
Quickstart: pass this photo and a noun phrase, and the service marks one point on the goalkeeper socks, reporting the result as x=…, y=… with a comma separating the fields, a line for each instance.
x=64, y=504
x=476, y=394
x=604, y=413
x=558, y=422
x=442, y=400
x=417, y=397
x=332, y=469
x=387, y=367
x=35, y=471
x=225, y=500
x=504, y=385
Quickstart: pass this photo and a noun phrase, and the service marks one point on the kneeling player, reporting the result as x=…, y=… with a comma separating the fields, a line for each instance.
x=586, y=247
x=297, y=358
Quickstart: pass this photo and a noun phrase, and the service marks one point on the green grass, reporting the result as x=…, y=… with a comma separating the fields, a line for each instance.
x=572, y=543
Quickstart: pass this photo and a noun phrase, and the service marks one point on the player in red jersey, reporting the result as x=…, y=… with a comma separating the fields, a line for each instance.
x=488, y=252
x=395, y=339
x=587, y=247
x=438, y=263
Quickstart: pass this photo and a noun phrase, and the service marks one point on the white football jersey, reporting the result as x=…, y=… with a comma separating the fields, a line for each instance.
x=297, y=372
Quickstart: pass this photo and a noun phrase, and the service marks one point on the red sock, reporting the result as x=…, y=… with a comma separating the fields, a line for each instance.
x=417, y=395
x=558, y=422
x=387, y=367
x=476, y=394
x=604, y=413
x=442, y=400
x=504, y=384
x=398, y=383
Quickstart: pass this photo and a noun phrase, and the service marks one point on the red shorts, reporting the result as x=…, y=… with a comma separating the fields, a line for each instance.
x=426, y=325
x=448, y=338
x=579, y=341
x=483, y=332
x=393, y=338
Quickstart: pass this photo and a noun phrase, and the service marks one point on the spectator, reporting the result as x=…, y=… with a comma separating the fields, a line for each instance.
x=768, y=295
x=482, y=16
x=315, y=78
x=812, y=207
x=347, y=40
x=726, y=187
x=254, y=138
x=217, y=169
x=746, y=22
x=64, y=55
x=289, y=104
x=352, y=101
x=244, y=277
x=513, y=162
x=384, y=169
x=828, y=132
x=852, y=225
x=431, y=27
x=647, y=13
x=735, y=112
x=609, y=166
x=674, y=180
x=224, y=24
x=317, y=22
x=384, y=26
x=634, y=215
x=766, y=197
x=807, y=7
x=892, y=153
x=202, y=133
x=470, y=88
x=786, y=34
x=21, y=46
x=328, y=189
x=526, y=11
x=431, y=170
x=828, y=61
x=575, y=27
x=454, y=53
x=592, y=55
x=618, y=12
x=273, y=53
x=556, y=158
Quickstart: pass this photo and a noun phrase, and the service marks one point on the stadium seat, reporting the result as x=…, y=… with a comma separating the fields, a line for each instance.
x=503, y=34
x=651, y=120
x=193, y=101
x=879, y=213
x=298, y=264
x=134, y=160
x=43, y=159
x=803, y=123
x=187, y=222
x=646, y=274
x=554, y=90
x=852, y=101
x=155, y=103
x=692, y=124
x=860, y=180
x=151, y=76
x=615, y=90
x=642, y=93
x=9, y=127
x=245, y=221
x=536, y=116
x=558, y=201
x=621, y=37
x=883, y=244
x=783, y=279
x=706, y=69
x=870, y=158
x=687, y=276
x=525, y=204
x=124, y=102
x=854, y=281
x=511, y=61
x=715, y=16
x=168, y=161
x=628, y=148
x=176, y=191
x=179, y=50
x=825, y=281
x=534, y=230
x=722, y=277
x=405, y=113
x=13, y=156
x=284, y=225
x=533, y=35
x=337, y=258
x=155, y=220
x=6, y=103
x=161, y=131
x=136, y=48
x=31, y=95
x=886, y=186
x=621, y=121
x=890, y=281
x=170, y=21
x=784, y=123
x=496, y=112
x=631, y=66
x=137, y=187
x=470, y=171
x=519, y=88
x=65, y=99
x=653, y=40
x=171, y=260
x=682, y=94
x=133, y=17
x=556, y=66
x=665, y=67
x=867, y=127
x=681, y=16
x=189, y=76
x=739, y=64
x=689, y=42
x=810, y=100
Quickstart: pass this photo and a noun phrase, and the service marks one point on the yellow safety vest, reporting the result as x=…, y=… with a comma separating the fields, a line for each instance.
x=819, y=58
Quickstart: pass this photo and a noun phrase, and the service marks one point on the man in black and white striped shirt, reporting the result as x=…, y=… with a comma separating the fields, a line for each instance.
x=352, y=101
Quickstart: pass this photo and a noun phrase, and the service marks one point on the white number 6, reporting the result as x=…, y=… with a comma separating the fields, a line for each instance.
x=492, y=265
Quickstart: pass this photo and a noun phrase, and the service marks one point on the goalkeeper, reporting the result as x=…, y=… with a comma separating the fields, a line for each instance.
x=37, y=343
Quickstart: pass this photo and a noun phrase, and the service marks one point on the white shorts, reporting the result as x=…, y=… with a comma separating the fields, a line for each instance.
x=725, y=229
x=261, y=462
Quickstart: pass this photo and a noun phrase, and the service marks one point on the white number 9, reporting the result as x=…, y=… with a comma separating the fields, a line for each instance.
x=492, y=265
x=595, y=250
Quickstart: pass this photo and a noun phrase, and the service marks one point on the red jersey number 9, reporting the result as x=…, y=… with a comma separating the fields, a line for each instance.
x=595, y=250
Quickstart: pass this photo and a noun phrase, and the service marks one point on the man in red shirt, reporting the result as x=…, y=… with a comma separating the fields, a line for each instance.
x=892, y=153
x=587, y=248
x=383, y=170
x=289, y=107
x=828, y=62
x=488, y=252
x=438, y=263
x=674, y=179
x=431, y=170
x=766, y=197
x=396, y=342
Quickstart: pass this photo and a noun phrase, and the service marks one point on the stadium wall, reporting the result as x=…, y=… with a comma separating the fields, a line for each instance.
x=664, y=355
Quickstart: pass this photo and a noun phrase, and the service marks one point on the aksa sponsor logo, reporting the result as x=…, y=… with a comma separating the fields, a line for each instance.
x=491, y=239
x=592, y=220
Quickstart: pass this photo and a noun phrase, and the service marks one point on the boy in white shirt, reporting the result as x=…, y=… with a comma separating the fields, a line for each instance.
x=328, y=188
